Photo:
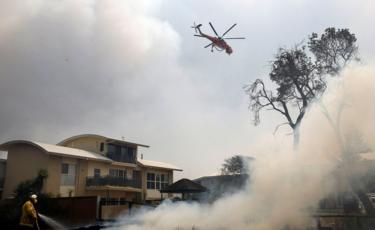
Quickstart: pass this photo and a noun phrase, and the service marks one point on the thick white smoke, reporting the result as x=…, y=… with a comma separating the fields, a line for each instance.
x=286, y=185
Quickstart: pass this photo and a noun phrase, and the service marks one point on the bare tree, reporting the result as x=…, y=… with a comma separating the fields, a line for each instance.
x=301, y=78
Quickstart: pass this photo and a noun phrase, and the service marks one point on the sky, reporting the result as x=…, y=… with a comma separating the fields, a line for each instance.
x=133, y=69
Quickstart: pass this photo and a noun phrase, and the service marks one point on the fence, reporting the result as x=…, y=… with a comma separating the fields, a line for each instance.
x=111, y=209
x=87, y=210
x=73, y=210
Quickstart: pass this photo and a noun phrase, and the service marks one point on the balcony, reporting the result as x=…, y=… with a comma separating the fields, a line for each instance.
x=113, y=181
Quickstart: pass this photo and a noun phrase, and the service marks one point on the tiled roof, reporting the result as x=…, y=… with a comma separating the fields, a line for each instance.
x=59, y=150
x=156, y=164
x=109, y=139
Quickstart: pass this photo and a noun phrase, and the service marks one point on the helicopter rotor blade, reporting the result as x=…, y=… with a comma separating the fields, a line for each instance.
x=236, y=38
x=194, y=26
x=213, y=29
x=229, y=29
x=208, y=45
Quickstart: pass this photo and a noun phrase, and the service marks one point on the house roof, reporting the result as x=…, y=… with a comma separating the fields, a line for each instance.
x=157, y=164
x=58, y=150
x=108, y=139
x=184, y=186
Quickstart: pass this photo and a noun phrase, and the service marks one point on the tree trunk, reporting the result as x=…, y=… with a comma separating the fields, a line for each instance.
x=295, y=138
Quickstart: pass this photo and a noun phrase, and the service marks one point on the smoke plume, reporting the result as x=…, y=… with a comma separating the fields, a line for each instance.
x=286, y=184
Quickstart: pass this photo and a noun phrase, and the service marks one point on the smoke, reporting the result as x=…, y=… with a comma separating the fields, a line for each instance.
x=286, y=185
x=70, y=65
x=119, y=69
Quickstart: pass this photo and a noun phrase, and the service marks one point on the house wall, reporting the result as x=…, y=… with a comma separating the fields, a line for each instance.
x=23, y=163
x=82, y=172
x=154, y=194
x=87, y=143
x=52, y=184
x=104, y=168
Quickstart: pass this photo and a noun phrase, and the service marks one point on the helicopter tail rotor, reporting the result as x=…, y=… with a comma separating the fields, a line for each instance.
x=196, y=27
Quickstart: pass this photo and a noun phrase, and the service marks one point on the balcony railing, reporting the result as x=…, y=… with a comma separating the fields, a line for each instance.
x=113, y=181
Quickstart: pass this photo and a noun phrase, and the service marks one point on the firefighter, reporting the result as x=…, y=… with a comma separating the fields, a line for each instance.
x=29, y=217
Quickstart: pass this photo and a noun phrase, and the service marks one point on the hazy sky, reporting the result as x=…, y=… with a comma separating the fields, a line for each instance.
x=133, y=69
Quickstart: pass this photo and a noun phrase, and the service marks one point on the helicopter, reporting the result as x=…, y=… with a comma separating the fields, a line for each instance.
x=217, y=42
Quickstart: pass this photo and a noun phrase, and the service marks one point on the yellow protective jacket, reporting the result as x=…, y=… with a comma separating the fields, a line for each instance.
x=29, y=214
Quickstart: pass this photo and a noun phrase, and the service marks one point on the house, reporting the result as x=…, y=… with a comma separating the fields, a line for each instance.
x=88, y=165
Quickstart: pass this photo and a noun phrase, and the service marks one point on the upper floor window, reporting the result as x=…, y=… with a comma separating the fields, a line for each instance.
x=150, y=180
x=117, y=173
x=64, y=168
x=120, y=153
x=101, y=146
x=157, y=181
x=96, y=172
x=164, y=182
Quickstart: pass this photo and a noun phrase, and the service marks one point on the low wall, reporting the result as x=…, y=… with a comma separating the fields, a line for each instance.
x=110, y=212
x=73, y=210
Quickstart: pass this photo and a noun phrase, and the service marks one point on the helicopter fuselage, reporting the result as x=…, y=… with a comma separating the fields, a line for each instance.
x=219, y=43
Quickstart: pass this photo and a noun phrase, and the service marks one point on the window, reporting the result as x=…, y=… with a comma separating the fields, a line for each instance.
x=120, y=153
x=164, y=181
x=117, y=173
x=101, y=147
x=150, y=180
x=68, y=172
x=112, y=172
x=64, y=168
x=96, y=172
x=157, y=181
x=131, y=154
